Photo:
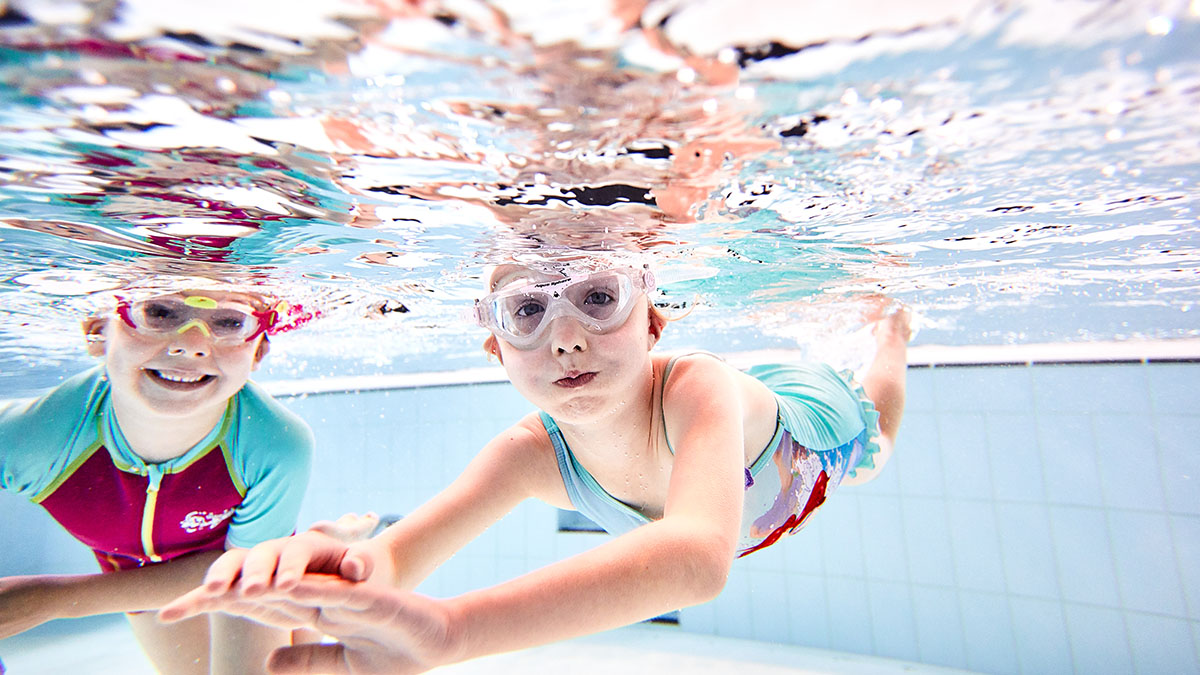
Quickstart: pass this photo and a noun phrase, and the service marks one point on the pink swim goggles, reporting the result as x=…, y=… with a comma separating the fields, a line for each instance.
x=600, y=301
x=225, y=321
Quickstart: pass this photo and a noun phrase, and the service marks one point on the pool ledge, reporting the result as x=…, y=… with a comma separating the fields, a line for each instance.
x=920, y=356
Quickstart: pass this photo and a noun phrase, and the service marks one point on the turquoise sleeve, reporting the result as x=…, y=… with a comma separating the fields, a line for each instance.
x=40, y=437
x=272, y=452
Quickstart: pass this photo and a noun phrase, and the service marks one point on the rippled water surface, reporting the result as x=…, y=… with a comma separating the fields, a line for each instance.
x=1018, y=171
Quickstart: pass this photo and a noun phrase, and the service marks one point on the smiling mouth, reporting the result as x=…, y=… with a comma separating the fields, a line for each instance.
x=179, y=381
x=577, y=381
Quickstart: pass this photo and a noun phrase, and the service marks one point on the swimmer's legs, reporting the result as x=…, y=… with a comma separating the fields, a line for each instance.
x=174, y=649
x=884, y=381
x=884, y=384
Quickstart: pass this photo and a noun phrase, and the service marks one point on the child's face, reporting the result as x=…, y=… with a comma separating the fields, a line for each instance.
x=577, y=375
x=172, y=373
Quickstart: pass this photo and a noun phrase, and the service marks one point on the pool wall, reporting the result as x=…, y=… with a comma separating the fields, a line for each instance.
x=1035, y=519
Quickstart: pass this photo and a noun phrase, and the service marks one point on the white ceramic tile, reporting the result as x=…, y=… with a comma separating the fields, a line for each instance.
x=1128, y=460
x=918, y=392
x=699, y=619
x=965, y=455
x=988, y=632
x=1161, y=644
x=848, y=607
x=976, y=546
x=1086, y=573
x=996, y=388
x=927, y=541
x=1099, y=643
x=1185, y=532
x=1173, y=387
x=1179, y=456
x=894, y=632
x=808, y=610
x=1014, y=457
x=886, y=483
x=1146, y=564
x=918, y=457
x=883, y=539
x=938, y=622
x=735, y=607
x=1069, y=464
x=1040, y=634
x=1027, y=550
x=768, y=595
x=841, y=545
x=802, y=551
x=1100, y=388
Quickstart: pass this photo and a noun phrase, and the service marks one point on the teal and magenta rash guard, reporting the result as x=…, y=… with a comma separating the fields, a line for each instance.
x=241, y=485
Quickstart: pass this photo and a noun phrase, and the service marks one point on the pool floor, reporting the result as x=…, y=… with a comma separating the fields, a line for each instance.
x=105, y=646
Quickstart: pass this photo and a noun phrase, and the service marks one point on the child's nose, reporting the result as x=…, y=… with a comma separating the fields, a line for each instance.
x=567, y=335
x=192, y=338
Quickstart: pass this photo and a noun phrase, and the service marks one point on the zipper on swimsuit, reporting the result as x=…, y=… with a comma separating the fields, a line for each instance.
x=154, y=478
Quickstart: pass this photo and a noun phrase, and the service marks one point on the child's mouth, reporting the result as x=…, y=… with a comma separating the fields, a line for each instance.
x=576, y=381
x=178, y=381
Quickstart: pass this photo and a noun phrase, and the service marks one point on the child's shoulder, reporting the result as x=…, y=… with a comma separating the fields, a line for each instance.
x=60, y=407
x=674, y=364
x=264, y=417
x=40, y=436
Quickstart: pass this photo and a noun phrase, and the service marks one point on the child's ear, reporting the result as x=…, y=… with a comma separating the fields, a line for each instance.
x=657, y=323
x=492, y=347
x=93, y=332
x=260, y=352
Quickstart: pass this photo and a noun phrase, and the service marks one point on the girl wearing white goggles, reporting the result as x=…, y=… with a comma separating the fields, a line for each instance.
x=726, y=463
x=600, y=301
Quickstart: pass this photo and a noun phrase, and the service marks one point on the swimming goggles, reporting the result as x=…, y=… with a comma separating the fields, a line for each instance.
x=224, y=322
x=600, y=301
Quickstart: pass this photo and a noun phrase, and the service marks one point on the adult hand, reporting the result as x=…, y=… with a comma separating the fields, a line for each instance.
x=27, y=601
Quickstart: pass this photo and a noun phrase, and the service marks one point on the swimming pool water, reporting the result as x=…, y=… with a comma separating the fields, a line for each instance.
x=1021, y=173
x=1018, y=172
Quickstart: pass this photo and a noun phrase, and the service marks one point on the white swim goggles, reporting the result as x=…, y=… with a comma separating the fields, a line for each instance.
x=225, y=322
x=600, y=301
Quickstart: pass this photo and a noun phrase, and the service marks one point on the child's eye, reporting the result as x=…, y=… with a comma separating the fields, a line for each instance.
x=228, y=323
x=598, y=297
x=160, y=311
x=529, y=309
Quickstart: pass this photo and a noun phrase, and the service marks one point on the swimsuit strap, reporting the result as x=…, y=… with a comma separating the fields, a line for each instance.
x=662, y=389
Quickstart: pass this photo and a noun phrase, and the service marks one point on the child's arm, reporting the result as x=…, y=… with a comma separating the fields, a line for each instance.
x=29, y=601
x=514, y=466
x=680, y=560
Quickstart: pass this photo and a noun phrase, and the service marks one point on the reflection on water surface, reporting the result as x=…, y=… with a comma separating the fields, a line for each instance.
x=1019, y=172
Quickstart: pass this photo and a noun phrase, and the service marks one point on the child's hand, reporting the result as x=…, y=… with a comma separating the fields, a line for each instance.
x=349, y=528
x=279, y=564
x=381, y=629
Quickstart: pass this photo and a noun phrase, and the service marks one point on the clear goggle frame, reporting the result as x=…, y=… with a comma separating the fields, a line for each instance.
x=600, y=301
x=224, y=321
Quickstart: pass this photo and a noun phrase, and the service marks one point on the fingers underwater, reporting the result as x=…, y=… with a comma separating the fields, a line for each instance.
x=310, y=658
x=224, y=571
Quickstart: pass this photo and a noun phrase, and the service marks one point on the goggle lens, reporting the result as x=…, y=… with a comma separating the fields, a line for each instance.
x=600, y=301
x=224, y=322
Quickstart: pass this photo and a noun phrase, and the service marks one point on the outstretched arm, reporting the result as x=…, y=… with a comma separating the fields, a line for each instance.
x=680, y=560
x=29, y=601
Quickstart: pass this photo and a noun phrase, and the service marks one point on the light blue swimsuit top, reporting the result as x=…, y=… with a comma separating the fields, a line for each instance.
x=824, y=430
